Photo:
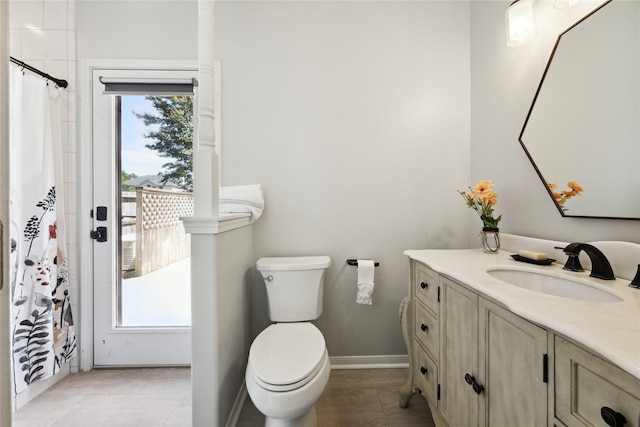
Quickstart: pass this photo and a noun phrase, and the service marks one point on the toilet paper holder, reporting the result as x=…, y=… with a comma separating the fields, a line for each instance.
x=355, y=262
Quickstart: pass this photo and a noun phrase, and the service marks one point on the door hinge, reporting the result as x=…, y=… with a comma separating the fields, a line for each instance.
x=438, y=393
x=545, y=368
x=438, y=293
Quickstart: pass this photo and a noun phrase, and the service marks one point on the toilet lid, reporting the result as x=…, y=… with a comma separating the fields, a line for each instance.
x=286, y=354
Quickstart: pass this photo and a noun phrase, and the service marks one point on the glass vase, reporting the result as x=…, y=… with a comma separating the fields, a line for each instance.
x=490, y=238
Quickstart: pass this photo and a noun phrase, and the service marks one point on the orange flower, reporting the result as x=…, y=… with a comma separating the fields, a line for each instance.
x=574, y=190
x=482, y=199
x=490, y=198
x=575, y=186
x=483, y=186
x=559, y=197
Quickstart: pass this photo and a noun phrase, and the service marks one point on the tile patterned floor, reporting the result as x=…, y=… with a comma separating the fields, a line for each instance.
x=162, y=397
x=113, y=397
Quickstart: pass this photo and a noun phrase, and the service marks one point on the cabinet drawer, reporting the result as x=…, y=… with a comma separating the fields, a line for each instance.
x=427, y=330
x=584, y=384
x=426, y=287
x=425, y=374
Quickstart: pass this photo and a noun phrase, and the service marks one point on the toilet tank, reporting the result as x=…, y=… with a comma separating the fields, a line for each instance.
x=294, y=286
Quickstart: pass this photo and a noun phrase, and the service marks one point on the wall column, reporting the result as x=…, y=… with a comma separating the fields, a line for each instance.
x=5, y=317
x=206, y=163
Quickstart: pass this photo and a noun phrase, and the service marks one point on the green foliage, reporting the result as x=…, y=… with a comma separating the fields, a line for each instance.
x=126, y=177
x=172, y=136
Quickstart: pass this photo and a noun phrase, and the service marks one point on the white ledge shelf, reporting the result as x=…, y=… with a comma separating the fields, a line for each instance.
x=216, y=225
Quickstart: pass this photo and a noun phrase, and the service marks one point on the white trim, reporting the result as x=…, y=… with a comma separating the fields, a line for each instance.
x=370, y=362
x=221, y=224
x=241, y=398
x=85, y=186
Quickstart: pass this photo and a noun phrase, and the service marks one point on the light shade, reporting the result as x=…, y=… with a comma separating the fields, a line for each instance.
x=520, y=23
x=563, y=4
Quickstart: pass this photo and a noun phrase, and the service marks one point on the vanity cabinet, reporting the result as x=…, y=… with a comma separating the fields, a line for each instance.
x=591, y=392
x=493, y=363
x=422, y=334
x=476, y=363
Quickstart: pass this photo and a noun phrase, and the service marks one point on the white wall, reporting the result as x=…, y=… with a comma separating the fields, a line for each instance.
x=354, y=116
x=143, y=29
x=504, y=81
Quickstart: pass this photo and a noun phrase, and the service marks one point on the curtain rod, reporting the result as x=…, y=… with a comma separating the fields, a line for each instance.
x=59, y=82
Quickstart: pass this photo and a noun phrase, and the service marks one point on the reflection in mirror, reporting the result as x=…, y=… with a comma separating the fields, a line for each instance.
x=583, y=128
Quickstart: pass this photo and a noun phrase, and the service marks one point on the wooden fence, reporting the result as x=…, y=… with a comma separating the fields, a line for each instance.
x=160, y=239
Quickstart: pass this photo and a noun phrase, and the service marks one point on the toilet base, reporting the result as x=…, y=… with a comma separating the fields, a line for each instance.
x=306, y=420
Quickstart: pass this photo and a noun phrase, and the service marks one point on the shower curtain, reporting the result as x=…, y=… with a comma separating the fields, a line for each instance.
x=43, y=337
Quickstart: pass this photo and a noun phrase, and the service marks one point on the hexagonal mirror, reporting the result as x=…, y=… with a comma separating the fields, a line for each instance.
x=582, y=133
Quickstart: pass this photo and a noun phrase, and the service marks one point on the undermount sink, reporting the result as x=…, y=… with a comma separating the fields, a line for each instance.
x=552, y=285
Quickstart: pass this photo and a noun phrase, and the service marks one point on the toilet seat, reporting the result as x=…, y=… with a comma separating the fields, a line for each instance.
x=286, y=356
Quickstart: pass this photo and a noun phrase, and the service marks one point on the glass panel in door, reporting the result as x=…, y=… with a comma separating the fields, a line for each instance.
x=154, y=282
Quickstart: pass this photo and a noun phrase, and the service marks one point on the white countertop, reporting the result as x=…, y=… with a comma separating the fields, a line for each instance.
x=609, y=329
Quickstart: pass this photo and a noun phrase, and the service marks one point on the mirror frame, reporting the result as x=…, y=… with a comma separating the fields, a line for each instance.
x=535, y=98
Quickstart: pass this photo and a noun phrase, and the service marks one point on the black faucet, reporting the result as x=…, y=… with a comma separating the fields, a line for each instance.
x=600, y=267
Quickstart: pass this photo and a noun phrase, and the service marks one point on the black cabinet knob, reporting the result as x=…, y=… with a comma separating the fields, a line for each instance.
x=469, y=379
x=423, y=370
x=611, y=417
x=478, y=388
x=424, y=327
x=424, y=285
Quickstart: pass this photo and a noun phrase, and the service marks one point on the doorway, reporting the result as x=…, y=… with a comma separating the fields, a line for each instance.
x=141, y=189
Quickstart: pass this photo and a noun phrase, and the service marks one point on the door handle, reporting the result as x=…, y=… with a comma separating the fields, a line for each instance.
x=99, y=234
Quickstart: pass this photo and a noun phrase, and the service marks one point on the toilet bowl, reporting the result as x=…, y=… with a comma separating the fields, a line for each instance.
x=287, y=372
x=288, y=366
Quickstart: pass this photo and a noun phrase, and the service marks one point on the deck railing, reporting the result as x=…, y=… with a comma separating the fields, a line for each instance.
x=160, y=239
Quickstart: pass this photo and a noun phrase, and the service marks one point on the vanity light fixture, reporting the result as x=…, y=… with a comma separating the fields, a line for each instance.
x=520, y=23
x=563, y=4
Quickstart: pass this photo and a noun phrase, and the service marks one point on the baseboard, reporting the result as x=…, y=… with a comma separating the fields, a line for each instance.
x=234, y=416
x=370, y=362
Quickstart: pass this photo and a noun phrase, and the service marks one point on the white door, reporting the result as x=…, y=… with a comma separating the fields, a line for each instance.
x=141, y=287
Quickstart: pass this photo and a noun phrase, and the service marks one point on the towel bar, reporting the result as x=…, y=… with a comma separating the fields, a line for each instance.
x=355, y=262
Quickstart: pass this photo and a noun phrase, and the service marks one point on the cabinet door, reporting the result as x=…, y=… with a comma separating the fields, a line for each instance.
x=459, y=356
x=589, y=388
x=512, y=352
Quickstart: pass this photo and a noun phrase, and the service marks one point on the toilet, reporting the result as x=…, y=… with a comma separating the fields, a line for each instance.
x=288, y=366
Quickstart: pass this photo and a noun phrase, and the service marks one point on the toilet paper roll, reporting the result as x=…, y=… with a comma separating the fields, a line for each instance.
x=366, y=271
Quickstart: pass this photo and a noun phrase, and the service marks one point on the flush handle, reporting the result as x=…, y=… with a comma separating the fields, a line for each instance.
x=269, y=278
